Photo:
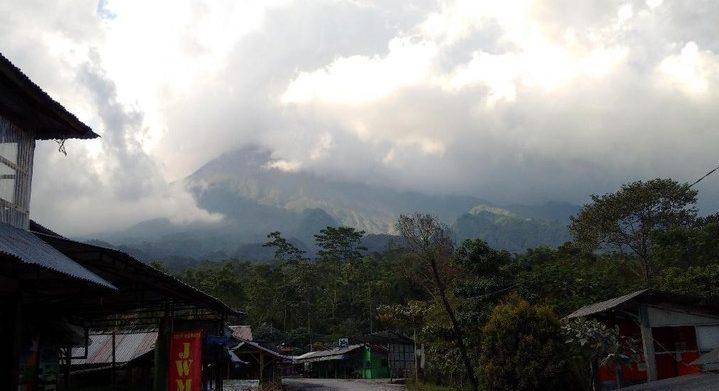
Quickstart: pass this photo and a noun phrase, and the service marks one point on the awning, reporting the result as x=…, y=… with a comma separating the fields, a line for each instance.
x=32, y=250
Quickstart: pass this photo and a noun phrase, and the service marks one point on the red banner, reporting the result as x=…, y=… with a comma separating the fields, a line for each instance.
x=186, y=361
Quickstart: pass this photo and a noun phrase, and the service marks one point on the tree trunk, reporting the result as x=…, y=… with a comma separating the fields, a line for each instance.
x=455, y=325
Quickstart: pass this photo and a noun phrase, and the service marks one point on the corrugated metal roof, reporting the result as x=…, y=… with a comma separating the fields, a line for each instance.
x=30, y=249
x=257, y=346
x=605, y=305
x=27, y=105
x=67, y=245
x=325, y=355
x=127, y=348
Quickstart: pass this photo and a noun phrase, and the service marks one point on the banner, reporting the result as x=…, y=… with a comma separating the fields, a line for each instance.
x=186, y=361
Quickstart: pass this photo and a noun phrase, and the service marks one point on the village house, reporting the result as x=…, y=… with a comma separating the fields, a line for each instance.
x=381, y=355
x=673, y=331
x=55, y=292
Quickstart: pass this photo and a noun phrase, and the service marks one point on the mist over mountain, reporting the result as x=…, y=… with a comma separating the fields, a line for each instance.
x=256, y=197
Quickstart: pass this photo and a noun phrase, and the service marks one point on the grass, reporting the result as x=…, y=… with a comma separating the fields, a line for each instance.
x=415, y=385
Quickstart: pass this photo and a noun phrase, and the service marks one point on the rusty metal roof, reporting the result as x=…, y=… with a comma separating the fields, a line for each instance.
x=31, y=108
x=32, y=250
x=127, y=348
x=242, y=332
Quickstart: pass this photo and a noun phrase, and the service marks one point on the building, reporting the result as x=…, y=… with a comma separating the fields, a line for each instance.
x=378, y=355
x=56, y=292
x=673, y=330
x=33, y=274
x=257, y=361
x=346, y=362
x=400, y=351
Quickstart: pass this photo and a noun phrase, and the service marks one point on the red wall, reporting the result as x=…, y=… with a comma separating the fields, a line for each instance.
x=674, y=347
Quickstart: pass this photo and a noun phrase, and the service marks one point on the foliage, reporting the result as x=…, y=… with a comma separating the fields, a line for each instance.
x=429, y=240
x=693, y=280
x=284, y=250
x=417, y=385
x=417, y=289
x=567, y=278
x=523, y=348
x=340, y=243
x=592, y=342
x=487, y=274
x=696, y=244
x=626, y=221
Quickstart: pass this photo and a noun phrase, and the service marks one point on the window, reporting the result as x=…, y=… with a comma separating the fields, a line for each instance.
x=16, y=156
x=708, y=337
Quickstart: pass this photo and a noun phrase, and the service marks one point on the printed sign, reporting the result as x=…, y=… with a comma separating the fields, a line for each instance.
x=186, y=361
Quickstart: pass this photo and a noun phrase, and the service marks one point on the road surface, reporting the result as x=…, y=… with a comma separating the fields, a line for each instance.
x=297, y=384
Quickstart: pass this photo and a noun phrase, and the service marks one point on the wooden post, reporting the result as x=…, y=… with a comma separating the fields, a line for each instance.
x=113, y=376
x=162, y=353
x=262, y=369
x=647, y=343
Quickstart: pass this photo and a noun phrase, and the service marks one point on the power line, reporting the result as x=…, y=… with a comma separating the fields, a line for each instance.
x=705, y=175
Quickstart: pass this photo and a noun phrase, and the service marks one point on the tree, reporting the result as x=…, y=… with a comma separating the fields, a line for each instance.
x=594, y=343
x=429, y=240
x=340, y=243
x=522, y=348
x=626, y=221
x=284, y=250
x=486, y=276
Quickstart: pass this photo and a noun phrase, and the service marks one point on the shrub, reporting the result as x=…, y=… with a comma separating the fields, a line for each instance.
x=522, y=348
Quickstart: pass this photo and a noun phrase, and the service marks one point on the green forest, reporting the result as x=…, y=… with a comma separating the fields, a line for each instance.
x=474, y=307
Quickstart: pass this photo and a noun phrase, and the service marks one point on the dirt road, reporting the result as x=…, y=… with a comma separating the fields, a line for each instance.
x=339, y=385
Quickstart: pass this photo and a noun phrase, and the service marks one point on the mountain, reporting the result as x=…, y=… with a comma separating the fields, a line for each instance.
x=228, y=183
x=256, y=198
x=506, y=229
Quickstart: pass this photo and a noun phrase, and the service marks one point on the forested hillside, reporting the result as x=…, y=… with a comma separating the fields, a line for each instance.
x=346, y=291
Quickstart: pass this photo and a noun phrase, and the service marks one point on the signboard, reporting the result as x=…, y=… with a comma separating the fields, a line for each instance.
x=186, y=361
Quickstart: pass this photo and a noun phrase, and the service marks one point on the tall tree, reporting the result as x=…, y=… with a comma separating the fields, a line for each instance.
x=430, y=241
x=627, y=221
x=284, y=249
x=340, y=243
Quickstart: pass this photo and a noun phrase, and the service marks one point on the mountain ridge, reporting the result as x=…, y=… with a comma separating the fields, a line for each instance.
x=256, y=199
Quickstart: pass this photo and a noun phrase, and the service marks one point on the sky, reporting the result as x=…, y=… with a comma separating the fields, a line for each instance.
x=514, y=101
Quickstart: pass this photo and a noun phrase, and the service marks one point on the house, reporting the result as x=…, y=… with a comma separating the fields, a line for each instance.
x=32, y=273
x=346, y=362
x=400, y=351
x=673, y=330
x=56, y=292
x=254, y=360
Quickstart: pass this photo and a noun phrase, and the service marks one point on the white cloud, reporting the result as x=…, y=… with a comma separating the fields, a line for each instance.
x=691, y=70
x=514, y=100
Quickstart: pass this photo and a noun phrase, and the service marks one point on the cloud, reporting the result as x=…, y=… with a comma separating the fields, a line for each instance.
x=515, y=101
x=560, y=105
x=113, y=182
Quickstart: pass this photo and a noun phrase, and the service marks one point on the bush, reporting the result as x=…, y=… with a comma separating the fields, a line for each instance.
x=523, y=348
